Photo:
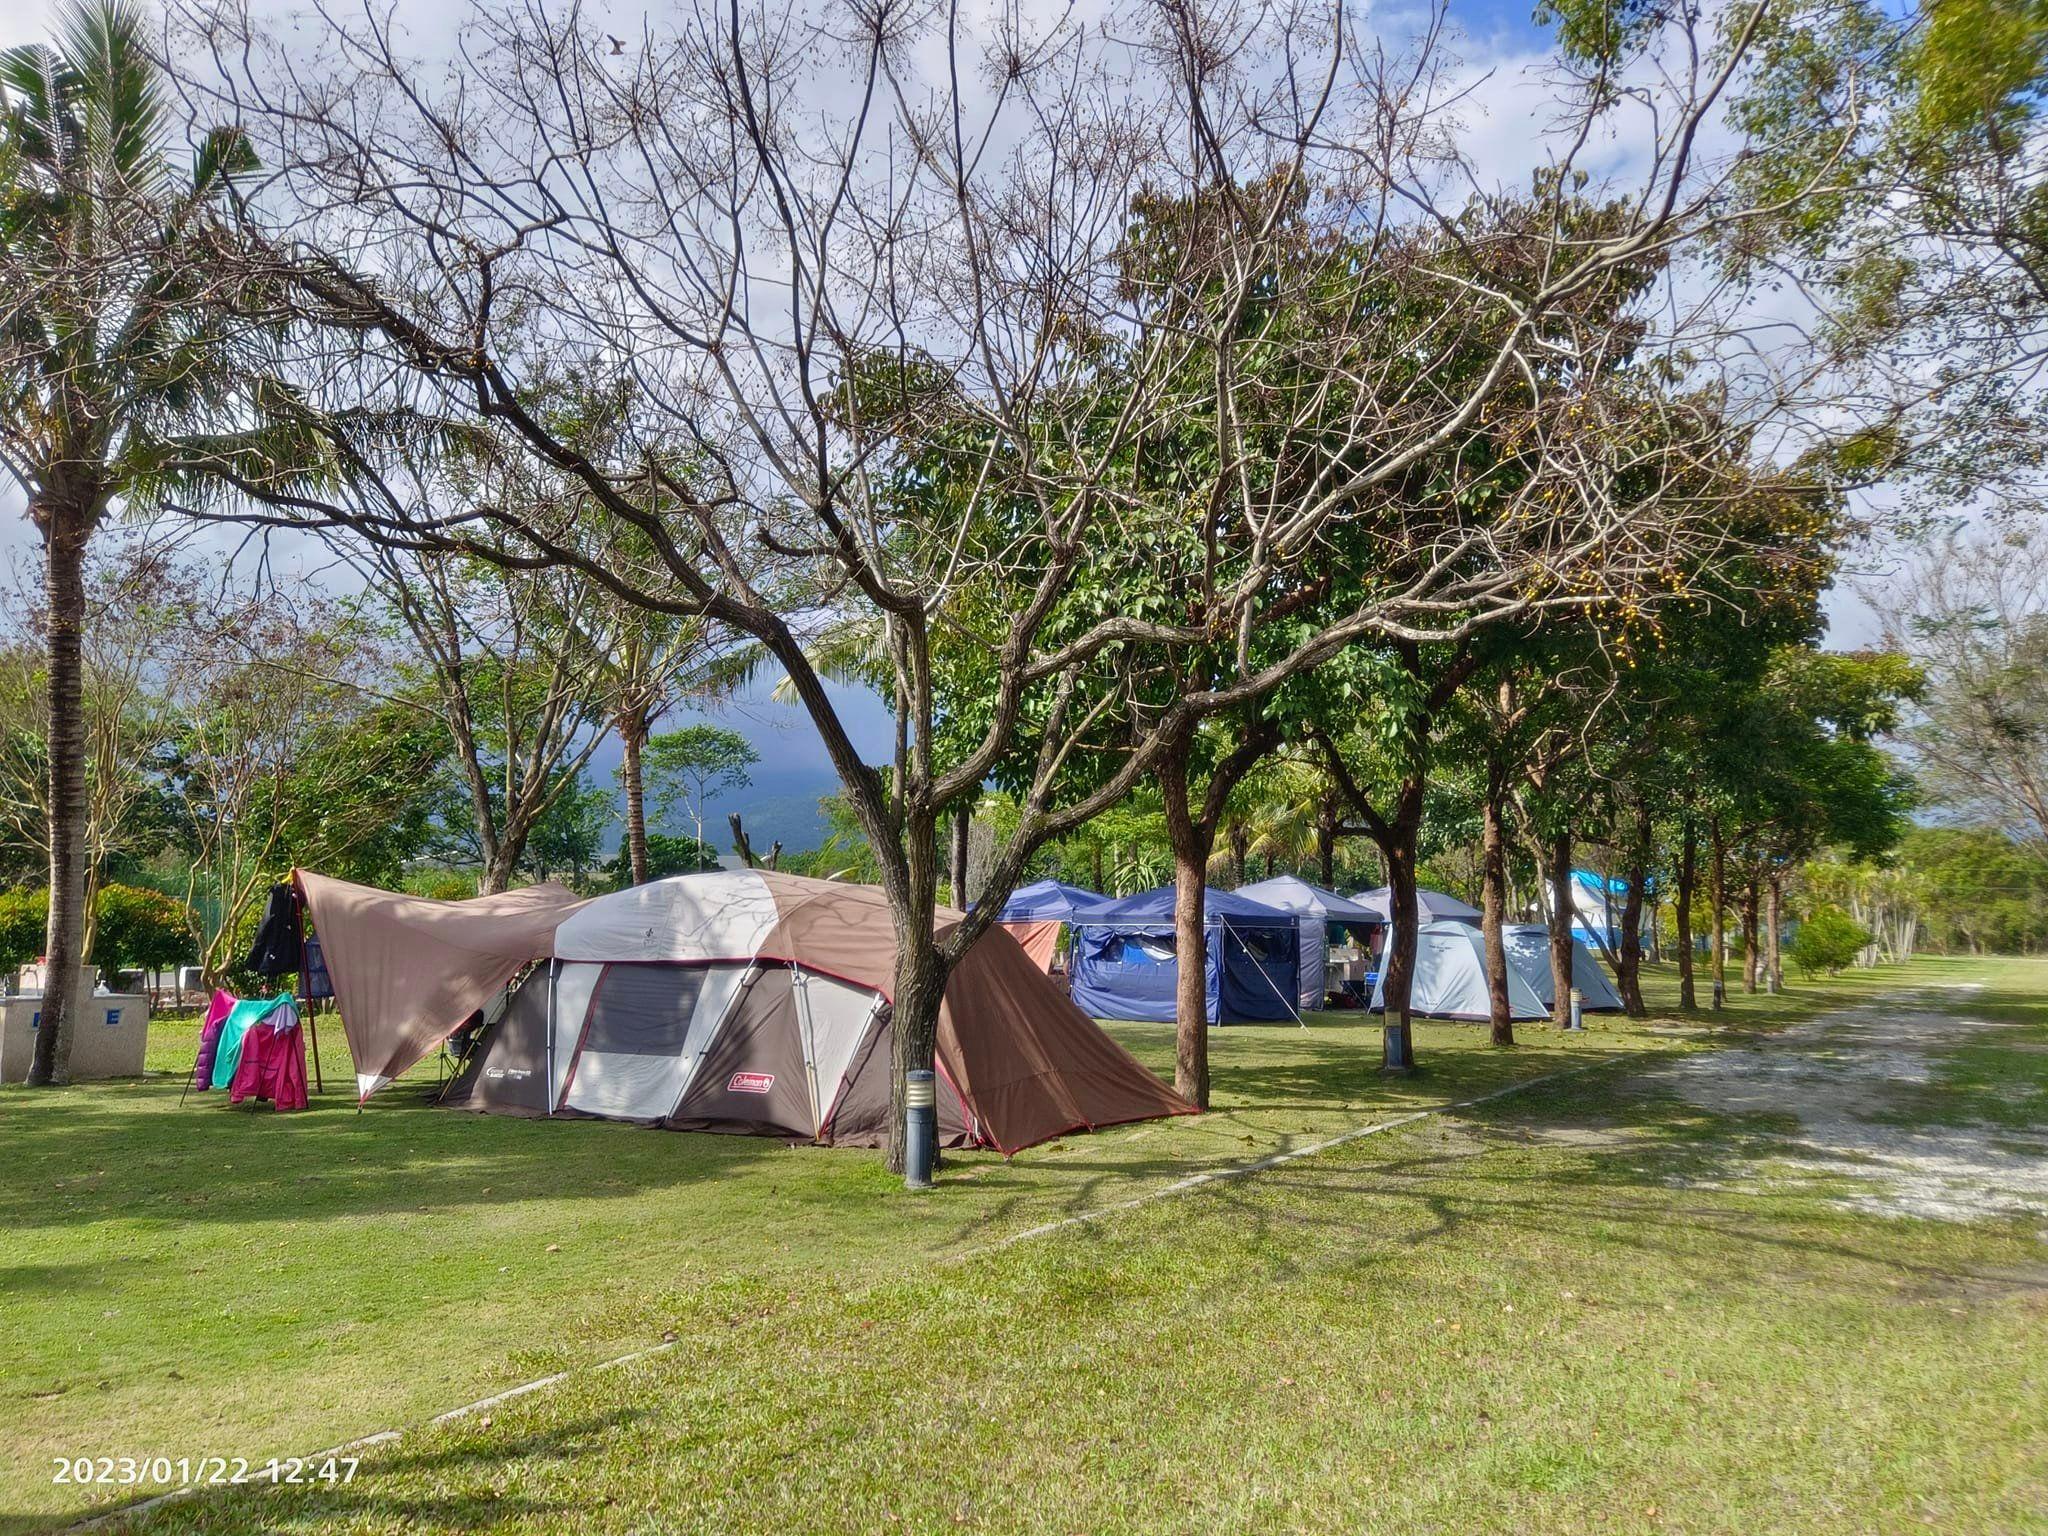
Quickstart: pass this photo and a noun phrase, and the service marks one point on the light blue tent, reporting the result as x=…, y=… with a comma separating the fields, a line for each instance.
x=1124, y=962
x=1528, y=946
x=1314, y=909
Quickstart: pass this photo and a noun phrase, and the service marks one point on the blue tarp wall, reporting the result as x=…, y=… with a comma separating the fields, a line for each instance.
x=1124, y=965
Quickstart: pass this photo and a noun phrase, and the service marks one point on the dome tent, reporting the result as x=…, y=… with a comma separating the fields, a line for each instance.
x=1124, y=964
x=1450, y=973
x=1315, y=909
x=1528, y=947
x=755, y=1002
x=1450, y=977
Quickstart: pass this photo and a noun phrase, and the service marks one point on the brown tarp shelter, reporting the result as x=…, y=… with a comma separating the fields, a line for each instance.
x=408, y=972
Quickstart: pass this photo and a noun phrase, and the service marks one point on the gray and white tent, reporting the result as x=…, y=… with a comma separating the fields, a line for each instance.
x=1450, y=977
x=1528, y=947
x=1315, y=909
x=1450, y=973
x=1434, y=906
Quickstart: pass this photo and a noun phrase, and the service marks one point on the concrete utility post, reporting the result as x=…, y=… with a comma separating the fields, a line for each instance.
x=920, y=1128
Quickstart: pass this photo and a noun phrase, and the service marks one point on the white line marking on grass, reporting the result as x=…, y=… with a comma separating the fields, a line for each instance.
x=1177, y=1187
x=1274, y=1160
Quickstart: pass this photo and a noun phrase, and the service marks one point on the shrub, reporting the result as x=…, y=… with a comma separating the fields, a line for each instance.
x=1828, y=940
x=141, y=928
x=23, y=913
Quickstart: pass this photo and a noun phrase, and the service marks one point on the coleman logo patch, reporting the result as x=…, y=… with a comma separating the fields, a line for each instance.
x=751, y=1082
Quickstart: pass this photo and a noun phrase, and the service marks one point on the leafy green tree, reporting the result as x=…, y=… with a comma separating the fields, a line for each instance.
x=1979, y=888
x=687, y=766
x=289, y=750
x=665, y=856
x=567, y=838
x=1801, y=771
x=1898, y=146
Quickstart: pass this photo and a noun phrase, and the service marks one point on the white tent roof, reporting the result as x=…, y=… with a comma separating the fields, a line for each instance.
x=1292, y=895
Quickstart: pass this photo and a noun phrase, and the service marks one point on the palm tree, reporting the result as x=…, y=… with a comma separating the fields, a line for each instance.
x=656, y=662
x=122, y=367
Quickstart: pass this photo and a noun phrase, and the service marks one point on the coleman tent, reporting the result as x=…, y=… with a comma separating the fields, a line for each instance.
x=1434, y=906
x=1036, y=915
x=756, y=1002
x=1315, y=909
x=1528, y=947
x=1450, y=977
x=408, y=972
x=1123, y=964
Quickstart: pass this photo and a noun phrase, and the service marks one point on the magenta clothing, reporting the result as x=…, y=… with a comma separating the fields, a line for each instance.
x=273, y=1064
x=217, y=1012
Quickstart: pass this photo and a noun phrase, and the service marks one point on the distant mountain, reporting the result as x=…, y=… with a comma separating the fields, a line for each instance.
x=780, y=803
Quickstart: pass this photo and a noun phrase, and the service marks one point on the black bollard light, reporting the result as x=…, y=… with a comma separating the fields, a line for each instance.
x=920, y=1129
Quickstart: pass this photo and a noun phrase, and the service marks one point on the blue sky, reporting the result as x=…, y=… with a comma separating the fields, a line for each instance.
x=1498, y=43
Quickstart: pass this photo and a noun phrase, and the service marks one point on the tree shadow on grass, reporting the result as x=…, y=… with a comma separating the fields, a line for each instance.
x=88, y=1155
x=1324, y=1076
x=1623, y=1171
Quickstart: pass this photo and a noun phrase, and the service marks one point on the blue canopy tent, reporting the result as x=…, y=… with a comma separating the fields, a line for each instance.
x=1315, y=909
x=1124, y=963
x=1597, y=904
x=1050, y=901
x=1037, y=914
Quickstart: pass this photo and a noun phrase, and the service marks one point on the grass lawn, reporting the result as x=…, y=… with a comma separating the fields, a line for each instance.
x=1545, y=1313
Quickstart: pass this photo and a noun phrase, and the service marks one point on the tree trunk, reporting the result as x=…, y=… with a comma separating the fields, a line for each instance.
x=1560, y=859
x=1493, y=900
x=1397, y=1051
x=1240, y=849
x=1326, y=839
x=496, y=875
x=957, y=872
x=1752, y=949
x=920, y=975
x=1774, y=968
x=1718, y=939
x=741, y=844
x=632, y=732
x=1630, y=966
x=65, y=535
x=1688, y=874
x=1191, y=843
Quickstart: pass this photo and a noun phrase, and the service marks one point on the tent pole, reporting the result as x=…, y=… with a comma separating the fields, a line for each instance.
x=313, y=1034
x=554, y=971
